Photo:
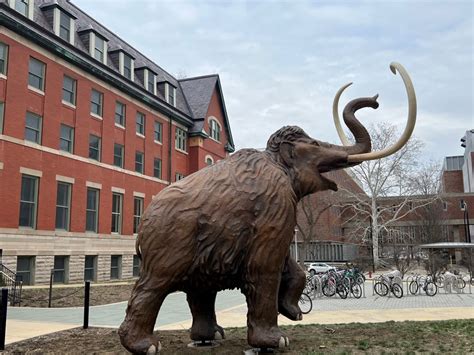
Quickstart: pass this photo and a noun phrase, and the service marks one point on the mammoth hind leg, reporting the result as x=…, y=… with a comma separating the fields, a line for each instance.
x=202, y=305
x=292, y=283
x=136, y=331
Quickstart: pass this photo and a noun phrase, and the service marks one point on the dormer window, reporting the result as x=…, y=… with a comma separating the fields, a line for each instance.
x=151, y=82
x=170, y=94
x=99, y=48
x=24, y=7
x=65, y=26
x=127, y=66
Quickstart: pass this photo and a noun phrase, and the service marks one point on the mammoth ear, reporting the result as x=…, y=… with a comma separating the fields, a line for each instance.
x=287, y=153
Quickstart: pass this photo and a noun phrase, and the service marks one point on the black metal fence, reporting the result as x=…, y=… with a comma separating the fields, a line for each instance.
x=10, y=281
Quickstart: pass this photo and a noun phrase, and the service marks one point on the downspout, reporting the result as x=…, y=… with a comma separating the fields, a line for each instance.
x=169, y=150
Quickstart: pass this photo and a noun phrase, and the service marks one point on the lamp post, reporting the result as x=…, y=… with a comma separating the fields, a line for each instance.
x=296, y=244
x=466, y=223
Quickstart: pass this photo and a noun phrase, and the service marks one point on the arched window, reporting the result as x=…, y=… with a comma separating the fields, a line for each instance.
x=214, y=129
x=209, y=160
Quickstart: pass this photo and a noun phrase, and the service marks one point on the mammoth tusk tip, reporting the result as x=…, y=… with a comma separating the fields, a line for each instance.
x=376, y=97
x=393, y=67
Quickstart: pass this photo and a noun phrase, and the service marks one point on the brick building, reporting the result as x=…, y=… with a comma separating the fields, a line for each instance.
x=90, y=130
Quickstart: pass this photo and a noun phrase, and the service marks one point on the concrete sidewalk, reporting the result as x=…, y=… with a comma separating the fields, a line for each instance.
x=24, y=323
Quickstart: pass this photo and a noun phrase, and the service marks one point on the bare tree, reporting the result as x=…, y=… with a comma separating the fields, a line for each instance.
x=391, y=194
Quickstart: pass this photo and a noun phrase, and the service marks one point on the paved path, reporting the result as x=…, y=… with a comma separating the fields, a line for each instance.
x=24, y=323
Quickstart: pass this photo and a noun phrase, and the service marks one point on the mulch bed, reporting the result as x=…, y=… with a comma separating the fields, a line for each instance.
x=454, y=336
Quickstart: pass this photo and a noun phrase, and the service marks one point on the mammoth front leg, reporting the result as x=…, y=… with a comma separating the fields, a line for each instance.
x=202, y=305
x=261, y=292
x=292, y=284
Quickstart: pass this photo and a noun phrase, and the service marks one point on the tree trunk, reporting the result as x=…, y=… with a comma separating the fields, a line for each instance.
x=375, y=235
x=302, y=253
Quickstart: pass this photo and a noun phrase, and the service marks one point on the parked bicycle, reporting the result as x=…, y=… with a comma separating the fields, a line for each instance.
x=387, y=284
x=424, y=283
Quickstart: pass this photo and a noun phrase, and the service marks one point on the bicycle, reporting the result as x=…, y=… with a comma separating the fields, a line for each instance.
x=424, y=282
x=305, y=303
x=382, y=288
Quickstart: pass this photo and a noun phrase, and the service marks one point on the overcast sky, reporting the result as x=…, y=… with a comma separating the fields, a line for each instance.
x=281, y=62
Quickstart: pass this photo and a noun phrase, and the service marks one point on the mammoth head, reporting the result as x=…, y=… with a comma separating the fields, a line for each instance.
x=306, y=158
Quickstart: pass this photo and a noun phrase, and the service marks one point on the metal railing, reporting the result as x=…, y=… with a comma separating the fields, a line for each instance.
x=9, y=280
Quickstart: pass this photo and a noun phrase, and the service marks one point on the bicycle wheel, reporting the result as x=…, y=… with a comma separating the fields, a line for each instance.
x=397, y=290
x=305, y=303
x=381, y=289
x=439, y=281
x=342, y=291
x=430, y=288
x=413, y=288
x=329, y=288
x=356, y=290
x=360, y=279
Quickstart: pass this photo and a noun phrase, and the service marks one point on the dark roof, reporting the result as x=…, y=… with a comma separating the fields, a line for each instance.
x=198, y=92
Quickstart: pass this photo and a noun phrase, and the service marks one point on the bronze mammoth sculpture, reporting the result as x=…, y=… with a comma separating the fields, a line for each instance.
x=230, y=226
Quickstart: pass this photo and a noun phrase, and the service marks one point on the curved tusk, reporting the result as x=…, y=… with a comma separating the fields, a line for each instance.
x=394, y=67
x=337, y=122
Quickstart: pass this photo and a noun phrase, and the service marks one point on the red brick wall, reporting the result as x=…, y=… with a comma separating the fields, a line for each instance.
x=452, y=181
x=19, y=99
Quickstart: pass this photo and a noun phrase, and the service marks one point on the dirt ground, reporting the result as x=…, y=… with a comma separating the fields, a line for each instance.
x=74, y=296
x=375, y=338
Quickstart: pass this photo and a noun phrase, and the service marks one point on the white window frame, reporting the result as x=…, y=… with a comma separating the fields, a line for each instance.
x=67, y=207
x=39, y=130
x=100, y=104
x=180, y=139
x=169, y=87
x=146, y=76
x=122, y=65
x=214, y=132
x=31, y=6
x=208, y=157
x=119, y=213
x=3, y=74
x=92, y=38
x=74, y=90
x=42, y=76
x=137, y=216
x=57, y=24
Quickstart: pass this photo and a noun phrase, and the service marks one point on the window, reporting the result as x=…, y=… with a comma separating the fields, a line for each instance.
x=66, y=140
x=215, y=130
x=22, y=6
x=140, y=123
x=158, y=131
x=171, y=94
x=120, y=113
x=151, y=82
x=92, y=210
x=64, y=26
x=209, y=161
x=127, y=66
x=180, y=142
x=3, y=58
x=179, y=176
x=139, y=162
x=28, y=201
x=96, y=102
x=25, y=266
x=90, y=267
x=94, y=147
x=118, y=155
x=61, y=269
x=2, y=108
x=157, y=168
x=136, y=266
x=445, y=206
x=69, y=90
x=116, y=212
x=33, y=128
x=63, y=205
x=99, y=49
x=115, y=267
x=462, y=205
x=137, y=212
x=36, y=74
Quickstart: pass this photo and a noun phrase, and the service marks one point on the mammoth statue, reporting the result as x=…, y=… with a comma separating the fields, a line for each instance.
x=230, y=225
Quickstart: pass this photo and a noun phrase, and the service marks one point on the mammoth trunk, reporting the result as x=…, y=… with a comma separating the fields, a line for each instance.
x=362, y=137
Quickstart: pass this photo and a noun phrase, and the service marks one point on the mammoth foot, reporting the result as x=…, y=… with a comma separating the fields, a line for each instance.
x=268, y=339
x=290, y=311
x=138, y=344
x=204, y=332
